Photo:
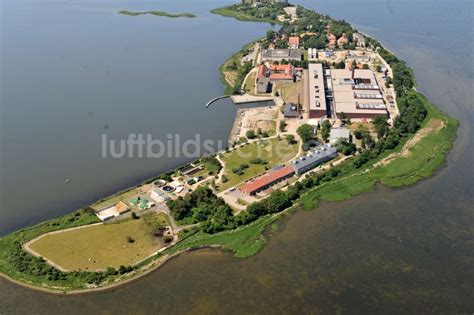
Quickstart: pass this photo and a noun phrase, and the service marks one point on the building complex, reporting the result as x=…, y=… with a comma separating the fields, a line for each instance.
x=354, y=93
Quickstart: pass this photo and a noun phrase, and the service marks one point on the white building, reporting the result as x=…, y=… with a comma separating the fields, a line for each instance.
x=339, y=133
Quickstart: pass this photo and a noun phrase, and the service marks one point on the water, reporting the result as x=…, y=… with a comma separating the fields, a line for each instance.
x=398, y=250
x=75, y=70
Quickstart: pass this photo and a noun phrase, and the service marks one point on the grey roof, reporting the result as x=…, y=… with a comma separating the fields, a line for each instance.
x=288, y=54
x=359, y=37
x=337, y=133
x=290, y=110
x=320, y=155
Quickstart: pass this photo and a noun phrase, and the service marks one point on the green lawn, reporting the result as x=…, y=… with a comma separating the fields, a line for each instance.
x=273, y=151
x=249, y=86
x=100, y=246
x=243, y=242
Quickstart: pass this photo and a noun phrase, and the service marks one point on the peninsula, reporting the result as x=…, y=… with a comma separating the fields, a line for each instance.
x=158, y=13
x=345, y=115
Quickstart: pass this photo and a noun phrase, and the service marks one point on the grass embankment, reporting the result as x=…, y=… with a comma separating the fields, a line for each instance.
x=98, y=247
x=157, y=13
x=242, y=242
x=273, y=151
x=242, y=16
x=249, y=85
x=233, y=71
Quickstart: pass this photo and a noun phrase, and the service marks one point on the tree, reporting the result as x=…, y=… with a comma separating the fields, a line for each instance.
x=305, y=132
x=342, y=116
x=281, y=44
x=378, y=68
x=340, y=65
x=381, y=126
x=224, y=179
x=282, y=125
x=290, y=139
x=250, y=134
x=367, y=140
x=326, y=130
x=358, y=134
x=277, y=201
x=345, y=147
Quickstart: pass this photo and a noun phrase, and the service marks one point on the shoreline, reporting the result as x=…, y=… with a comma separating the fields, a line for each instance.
x=157, y=262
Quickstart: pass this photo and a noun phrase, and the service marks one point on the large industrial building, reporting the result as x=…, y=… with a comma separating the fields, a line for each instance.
x=317, y=96
x=318, y=156
x=356, y=93
x=267, y=180
x=281, y=54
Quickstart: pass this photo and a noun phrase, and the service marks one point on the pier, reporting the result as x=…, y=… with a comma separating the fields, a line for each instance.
x=247, y=98
x=215, y=99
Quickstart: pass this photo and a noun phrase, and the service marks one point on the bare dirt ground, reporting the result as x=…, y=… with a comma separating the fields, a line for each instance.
x=254, y=118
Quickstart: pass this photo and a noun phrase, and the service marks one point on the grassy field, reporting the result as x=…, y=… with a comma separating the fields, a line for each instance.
x=100, y=246
x=273, y=151
x=249, y=86
x=157, y=13
x=289, y=91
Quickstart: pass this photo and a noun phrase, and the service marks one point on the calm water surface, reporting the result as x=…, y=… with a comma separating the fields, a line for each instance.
x=74, y=69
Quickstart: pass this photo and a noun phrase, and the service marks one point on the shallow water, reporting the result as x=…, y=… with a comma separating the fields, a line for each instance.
x=391, y=251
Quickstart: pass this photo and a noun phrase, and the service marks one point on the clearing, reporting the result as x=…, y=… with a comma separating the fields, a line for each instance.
x=273, y=151
x=99, y=246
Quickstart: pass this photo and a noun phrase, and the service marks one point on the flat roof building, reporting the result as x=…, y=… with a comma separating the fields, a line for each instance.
x=290, y=110
x=317, y=95
x=110, y=212
x=315, y=157
x=281, y=54
x=357, y=94
x=339, y=133
x=267, y=180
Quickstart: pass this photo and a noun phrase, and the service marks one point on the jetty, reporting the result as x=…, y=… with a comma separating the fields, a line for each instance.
x=216, y=99
x=247, y=98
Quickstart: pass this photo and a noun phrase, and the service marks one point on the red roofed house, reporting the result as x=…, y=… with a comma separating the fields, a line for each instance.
x=267, y=180
x=281, y=72
x=262, y=82
x=342, y=40
x=265, y=76
x=294, y=42
x=358, y=65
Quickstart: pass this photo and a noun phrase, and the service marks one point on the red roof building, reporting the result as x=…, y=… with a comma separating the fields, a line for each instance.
x=267, y=180
x=342, y=40
x=281, y=72
x=262, y=71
